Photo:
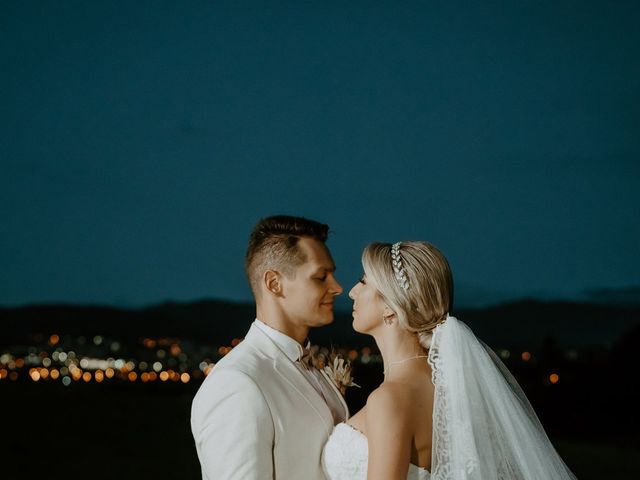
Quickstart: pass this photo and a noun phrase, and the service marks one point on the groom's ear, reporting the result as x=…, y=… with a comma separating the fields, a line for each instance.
x=272, y=282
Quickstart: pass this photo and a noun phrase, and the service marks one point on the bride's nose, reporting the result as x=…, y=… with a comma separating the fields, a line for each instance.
x=352, y=292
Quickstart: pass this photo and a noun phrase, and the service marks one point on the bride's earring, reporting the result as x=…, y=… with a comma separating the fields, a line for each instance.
x=387, y=320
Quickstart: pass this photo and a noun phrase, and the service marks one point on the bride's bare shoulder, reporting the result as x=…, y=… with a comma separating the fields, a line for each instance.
x=390, y=398
x=389, y=415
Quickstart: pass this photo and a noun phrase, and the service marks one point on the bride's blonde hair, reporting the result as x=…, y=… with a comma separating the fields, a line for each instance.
x=429, y=296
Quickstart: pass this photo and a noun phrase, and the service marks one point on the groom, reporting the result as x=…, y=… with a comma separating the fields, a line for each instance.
x=264, y=412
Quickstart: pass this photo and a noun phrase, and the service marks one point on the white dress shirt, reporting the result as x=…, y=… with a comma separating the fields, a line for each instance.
x=294, y=351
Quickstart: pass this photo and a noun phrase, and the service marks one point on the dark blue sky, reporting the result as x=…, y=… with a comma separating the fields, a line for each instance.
x=140, y=141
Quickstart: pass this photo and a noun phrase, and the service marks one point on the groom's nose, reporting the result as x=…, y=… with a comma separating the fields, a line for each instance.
x=336, y=288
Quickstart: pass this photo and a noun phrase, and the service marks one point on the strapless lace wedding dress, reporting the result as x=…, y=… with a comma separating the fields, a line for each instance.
x=346, y=453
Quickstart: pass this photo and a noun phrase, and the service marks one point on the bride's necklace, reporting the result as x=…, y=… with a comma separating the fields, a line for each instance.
x=398, y=362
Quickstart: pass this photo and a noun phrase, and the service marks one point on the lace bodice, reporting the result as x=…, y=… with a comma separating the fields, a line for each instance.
x=346, y=453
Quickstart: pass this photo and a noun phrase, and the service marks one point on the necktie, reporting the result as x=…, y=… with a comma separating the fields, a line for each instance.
x=306, y=356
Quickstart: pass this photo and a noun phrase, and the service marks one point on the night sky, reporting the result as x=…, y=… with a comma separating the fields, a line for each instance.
x=141, y=141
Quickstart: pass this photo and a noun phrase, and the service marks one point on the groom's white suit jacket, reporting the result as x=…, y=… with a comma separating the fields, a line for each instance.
x=257, y=417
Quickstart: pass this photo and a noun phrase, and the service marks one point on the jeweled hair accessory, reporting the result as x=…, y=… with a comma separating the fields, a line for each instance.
x=398, y=269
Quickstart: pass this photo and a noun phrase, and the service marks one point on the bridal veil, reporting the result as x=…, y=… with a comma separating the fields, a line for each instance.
x=484, y=428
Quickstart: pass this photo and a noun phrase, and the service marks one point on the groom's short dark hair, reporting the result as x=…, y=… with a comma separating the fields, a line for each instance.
x=273, y=244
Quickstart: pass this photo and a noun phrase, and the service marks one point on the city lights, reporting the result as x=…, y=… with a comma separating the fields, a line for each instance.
x=167, y=361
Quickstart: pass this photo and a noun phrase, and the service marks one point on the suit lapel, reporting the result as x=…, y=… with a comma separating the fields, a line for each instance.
x=290, y=373
x=299, y=383
x=338, y=394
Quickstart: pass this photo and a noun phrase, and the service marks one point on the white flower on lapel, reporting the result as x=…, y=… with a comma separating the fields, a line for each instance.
x=339, y=371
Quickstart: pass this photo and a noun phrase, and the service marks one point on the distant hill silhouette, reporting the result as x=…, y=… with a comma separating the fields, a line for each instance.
x=628, y=297
x=522, y=323
x=570, y=324
x=198, y=320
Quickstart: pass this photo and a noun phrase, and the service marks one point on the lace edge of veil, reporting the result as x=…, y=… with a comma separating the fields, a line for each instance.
x=440, y=435
x=443, y=464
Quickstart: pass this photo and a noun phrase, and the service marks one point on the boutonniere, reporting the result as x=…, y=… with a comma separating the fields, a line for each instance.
x=339, y=372
x=337, y=368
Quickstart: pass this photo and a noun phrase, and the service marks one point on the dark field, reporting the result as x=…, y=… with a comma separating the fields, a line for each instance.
x=124, y=430
x=142, y=432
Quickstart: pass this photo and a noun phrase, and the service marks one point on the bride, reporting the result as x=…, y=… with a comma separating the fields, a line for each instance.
x=447, y=408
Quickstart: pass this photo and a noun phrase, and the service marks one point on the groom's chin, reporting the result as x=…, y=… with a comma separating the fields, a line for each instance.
x=326, y=320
